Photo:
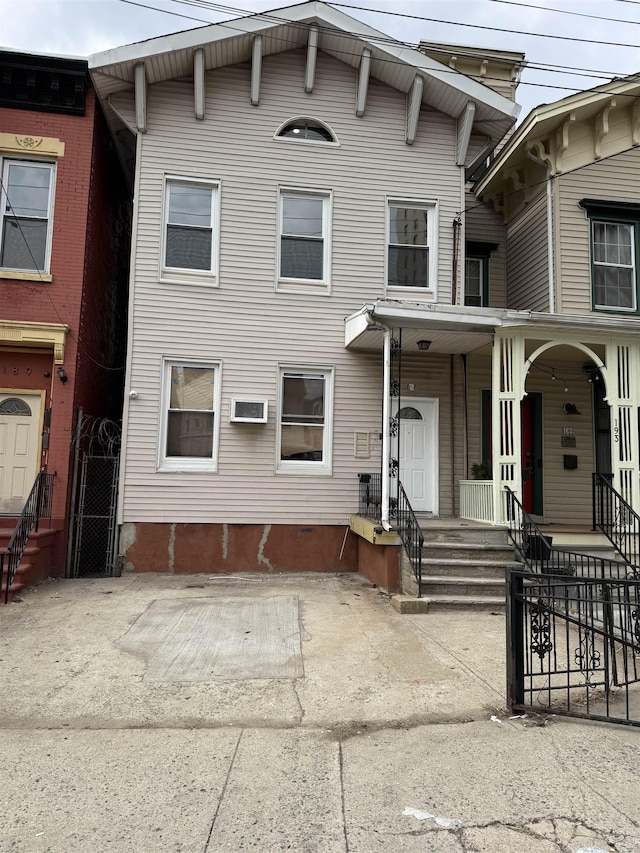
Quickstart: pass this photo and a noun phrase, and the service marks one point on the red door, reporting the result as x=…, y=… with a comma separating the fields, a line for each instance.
x=526, y=415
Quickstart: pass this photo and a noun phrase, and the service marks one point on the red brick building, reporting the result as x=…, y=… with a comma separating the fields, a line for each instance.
x=64, y=233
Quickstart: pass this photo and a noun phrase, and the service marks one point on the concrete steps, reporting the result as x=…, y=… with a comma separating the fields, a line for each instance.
x=463, y=568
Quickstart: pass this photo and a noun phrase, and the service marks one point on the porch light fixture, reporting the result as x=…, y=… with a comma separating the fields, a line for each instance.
x=571, y=409
x=62, y=375
x=424, y=345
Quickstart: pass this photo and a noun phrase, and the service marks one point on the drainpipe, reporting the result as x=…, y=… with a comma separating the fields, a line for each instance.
x=386, y=442
x=552, y=282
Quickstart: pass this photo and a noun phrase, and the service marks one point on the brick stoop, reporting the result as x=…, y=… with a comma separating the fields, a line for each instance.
x=462, y=569
x=35, y=564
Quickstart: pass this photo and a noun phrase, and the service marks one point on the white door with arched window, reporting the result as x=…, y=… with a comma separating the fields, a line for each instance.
x=418, y=452
x=20, y=428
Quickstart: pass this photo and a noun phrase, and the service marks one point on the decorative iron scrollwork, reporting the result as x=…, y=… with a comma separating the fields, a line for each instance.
x=395, y=348
x=393, y=427
x=394, y=387
x=586, y=655
x=393, y=507
x=635, y=617
x=393, y=467
x=541, y=644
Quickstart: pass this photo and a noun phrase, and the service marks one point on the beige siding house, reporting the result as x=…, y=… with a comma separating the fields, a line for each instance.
x=567, y=187
x=307, y=296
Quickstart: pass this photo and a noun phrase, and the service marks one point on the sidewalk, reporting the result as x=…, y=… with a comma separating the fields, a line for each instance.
x=345, y=714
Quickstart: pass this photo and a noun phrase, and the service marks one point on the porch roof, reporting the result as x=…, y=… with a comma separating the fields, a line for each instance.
x=461, y=329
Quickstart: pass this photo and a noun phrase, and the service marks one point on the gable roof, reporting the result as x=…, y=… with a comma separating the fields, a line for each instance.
x=546, y=121
x=230, y=42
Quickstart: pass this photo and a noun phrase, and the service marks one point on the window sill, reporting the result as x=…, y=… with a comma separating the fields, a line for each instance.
x=200, y=279
x=408, y=291
x=26, y=276
x=305, y=470
x=188, y=467
x=292, y=285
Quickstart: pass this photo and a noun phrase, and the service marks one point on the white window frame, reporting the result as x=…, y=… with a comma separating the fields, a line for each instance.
x=186, y=463
x=482, y=283
x=178, y=275
x=289, y=466
x=306, y=285
x=431, y=206
x=632, y=225
x=5, y=163
x=324, y=143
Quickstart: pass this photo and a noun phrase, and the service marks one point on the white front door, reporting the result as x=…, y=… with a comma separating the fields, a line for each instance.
x=20, y=428
x=418, y=455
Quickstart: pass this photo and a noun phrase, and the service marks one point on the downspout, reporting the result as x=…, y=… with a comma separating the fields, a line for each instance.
x=457, y=225
x=550, y=260
x=386, y=442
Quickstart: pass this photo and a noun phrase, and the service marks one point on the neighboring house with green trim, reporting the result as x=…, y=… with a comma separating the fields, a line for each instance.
x=567, y=188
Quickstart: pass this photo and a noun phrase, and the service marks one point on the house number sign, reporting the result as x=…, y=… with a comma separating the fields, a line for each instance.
x=16, y=371
x=616, y=430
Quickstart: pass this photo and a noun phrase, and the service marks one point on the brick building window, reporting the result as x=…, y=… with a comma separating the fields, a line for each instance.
x=26, y=202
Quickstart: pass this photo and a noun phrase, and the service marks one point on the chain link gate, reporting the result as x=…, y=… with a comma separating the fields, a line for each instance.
x=92, y=547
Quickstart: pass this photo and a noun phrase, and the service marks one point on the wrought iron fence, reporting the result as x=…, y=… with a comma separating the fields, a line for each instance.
x=619, y=522
x=536, y=551
x=573, y=646
x=370, y=495
x=38, y=505
x=411, y=535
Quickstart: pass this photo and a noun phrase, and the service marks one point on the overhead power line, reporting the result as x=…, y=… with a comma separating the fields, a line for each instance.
x=567, y=12
x=234, y=26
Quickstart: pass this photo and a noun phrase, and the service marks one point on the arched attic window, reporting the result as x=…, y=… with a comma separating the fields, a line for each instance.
x=306, y=129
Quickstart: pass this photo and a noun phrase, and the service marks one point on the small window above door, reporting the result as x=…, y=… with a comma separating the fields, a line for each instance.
x=408, y=413
x=14, y=406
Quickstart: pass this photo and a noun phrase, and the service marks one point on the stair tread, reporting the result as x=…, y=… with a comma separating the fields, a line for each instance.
x=470, y=546
x=454, y=599
x=460, y=561
x=460, y=579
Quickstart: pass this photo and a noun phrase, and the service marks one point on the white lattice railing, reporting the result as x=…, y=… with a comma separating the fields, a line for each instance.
x=476, y=500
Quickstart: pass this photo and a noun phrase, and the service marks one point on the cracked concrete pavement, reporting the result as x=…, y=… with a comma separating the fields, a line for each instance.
x=391, y=719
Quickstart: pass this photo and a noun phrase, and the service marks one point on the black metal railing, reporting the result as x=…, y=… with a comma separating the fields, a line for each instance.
x=411, y=535
x=38, y=505
x=619, y=522
x=536, y=552
x=573, y=646
x=370, y=496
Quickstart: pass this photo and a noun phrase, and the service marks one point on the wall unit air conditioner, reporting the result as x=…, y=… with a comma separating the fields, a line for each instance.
x=244, y=411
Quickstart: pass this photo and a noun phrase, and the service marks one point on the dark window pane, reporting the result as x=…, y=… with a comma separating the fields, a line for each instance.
x=306, y=130
x=191, y=388
x=408, y=267
x=613, y=287
x=189, y=205
x=408, y=226
x=24, y=244
x=188, y=248
x=190, y=434
x=28, y=190
x=300, y=258
x=303, y=399
x=14, y=406
x=302, y=217
x=473, y=282
x=408, y=413
x=301, y=443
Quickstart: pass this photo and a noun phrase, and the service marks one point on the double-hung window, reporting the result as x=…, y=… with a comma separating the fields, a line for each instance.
x=615, y=252
x=190, y=230
x=305, y=418
x=26, y=202
x=304, y=240
x=190, y=424
x=411, y=253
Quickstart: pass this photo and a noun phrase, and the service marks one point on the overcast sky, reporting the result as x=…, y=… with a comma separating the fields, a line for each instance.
x=82, y=27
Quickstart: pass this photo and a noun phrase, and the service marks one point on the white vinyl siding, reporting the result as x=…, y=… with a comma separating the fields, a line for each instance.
x=243, y=320
x=615, y=179
x=190, y=230
x=305, y=417
x=527, y=258
x=190, y=416
x=26, y=207
x=304, y=240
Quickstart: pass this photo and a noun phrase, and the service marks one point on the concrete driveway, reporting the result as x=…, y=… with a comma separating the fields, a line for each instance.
x=271, y=713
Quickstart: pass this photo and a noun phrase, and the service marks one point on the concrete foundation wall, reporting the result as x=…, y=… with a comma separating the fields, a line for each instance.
x=222, y=548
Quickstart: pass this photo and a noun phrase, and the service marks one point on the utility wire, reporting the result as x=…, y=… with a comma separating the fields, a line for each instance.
x=567, y=12
x=14, y=218
x=387, y=40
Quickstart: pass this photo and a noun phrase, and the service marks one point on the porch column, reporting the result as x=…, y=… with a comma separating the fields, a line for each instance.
x=507, y=391
x=623, y=395
x=386, y=438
